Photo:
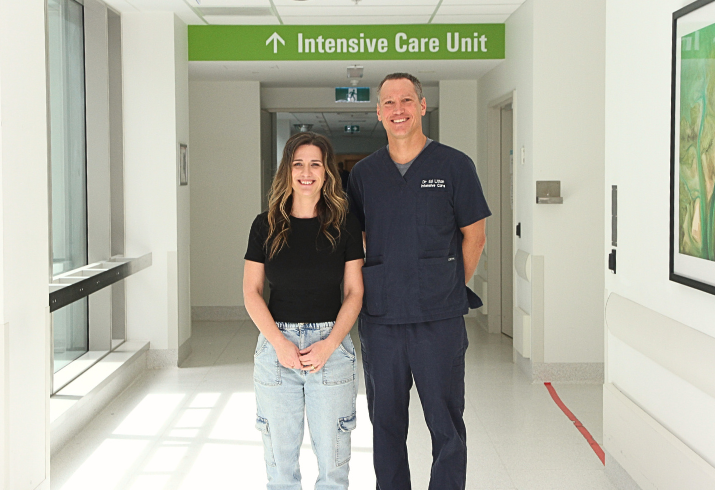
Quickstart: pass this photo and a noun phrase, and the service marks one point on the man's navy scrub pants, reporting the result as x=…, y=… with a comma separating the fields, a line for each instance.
x=433, y=354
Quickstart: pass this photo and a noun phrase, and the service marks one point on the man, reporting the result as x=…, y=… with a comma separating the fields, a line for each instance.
x=423, y=213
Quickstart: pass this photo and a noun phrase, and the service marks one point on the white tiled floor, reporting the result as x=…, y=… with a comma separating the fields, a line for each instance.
x=192, y=428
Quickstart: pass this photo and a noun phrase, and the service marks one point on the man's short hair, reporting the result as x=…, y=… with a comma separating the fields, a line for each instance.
x=398, y=76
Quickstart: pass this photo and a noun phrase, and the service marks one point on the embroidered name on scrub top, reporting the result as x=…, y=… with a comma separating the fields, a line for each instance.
x=433, y=184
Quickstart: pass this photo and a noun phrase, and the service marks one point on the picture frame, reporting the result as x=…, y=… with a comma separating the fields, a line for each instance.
x=692, y=147
x=183, y=164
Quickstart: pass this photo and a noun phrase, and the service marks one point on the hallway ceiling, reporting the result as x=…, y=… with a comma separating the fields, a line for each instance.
x=333, y=123
x=301, y=12
x=330, y=12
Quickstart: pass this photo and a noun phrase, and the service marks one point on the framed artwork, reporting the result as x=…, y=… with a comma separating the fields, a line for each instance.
x=692, y=147
x=183, y=164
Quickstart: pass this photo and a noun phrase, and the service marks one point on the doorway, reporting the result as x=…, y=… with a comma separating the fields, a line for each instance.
x=506, y=215
x=501, y=196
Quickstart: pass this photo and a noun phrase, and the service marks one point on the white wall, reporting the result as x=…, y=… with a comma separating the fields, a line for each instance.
x=457, y=123
x=225, y=189
x=637, y=155
x=24, y=315
x=555, y=62
x=155, y=70
x=457, y=117
x=568, y=145
x=3, y=328
x=181, y=63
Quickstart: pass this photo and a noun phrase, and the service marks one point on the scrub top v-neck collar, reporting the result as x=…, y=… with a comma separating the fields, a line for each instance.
x=417, y=162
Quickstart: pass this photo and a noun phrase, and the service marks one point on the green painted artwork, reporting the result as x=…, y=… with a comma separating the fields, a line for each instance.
x=697, y=145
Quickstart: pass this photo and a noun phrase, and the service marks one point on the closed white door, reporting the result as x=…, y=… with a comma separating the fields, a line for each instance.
x=507, y=222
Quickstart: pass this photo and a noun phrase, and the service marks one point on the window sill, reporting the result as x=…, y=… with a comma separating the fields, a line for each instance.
x=76, y=404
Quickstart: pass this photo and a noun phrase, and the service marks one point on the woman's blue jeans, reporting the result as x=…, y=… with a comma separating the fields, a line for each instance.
x=284, y=396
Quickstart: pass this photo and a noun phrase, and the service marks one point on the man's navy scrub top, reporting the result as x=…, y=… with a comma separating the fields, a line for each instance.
x=414, y=270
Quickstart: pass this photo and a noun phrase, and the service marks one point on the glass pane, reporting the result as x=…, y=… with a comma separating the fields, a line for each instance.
x=67, y=109
x=68, y=165
x=70, y=341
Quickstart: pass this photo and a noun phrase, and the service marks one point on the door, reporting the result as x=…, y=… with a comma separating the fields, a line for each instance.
x=507, y=221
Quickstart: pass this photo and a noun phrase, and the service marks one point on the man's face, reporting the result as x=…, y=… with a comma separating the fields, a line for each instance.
x=399, y=109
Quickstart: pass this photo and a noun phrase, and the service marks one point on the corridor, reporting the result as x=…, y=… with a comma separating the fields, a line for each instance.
x=193, y=427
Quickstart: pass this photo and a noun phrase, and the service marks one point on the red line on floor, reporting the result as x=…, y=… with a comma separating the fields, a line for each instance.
x=584, y=432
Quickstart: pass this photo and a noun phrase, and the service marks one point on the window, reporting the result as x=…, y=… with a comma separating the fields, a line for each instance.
x=86, y=184
x=68, y=169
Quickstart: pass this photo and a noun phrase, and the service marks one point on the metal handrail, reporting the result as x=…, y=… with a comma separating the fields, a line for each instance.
x=74, y=285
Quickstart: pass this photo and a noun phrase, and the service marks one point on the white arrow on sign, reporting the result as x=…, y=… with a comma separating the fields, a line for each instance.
x=276, y=39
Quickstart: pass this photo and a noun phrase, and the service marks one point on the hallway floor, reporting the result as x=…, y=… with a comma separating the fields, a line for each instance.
x=193, y=427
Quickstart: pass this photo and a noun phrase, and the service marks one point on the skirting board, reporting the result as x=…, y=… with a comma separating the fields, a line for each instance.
x=523, y=364
x=653, y=457
x=184, y=351
x=560, y=372
x=219, y=313
x=162, y=358
x=618, y=475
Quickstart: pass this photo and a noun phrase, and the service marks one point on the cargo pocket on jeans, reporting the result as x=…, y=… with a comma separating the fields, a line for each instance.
x=342, y=450
x=266, y=368
x=264, y=429
x=373, y=277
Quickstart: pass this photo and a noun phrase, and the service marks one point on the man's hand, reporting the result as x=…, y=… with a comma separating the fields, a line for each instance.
x=314, y=357
x=288, y=354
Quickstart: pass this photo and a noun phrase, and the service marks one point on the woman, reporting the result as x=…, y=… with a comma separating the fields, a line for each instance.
x=306, y=244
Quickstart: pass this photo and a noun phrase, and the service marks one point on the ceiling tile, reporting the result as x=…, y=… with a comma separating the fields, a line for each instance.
x=481, y=2
x=476, y=9
x=406, y=4
x=289, y=11
x=183, y=10
x=240, y=20
x=228, y=3
x=356, y=19
x=470, y=19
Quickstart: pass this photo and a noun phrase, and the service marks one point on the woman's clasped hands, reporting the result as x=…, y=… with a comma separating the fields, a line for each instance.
x=311, y=359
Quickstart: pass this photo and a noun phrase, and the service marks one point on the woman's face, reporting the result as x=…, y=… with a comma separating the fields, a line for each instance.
x=308, y=171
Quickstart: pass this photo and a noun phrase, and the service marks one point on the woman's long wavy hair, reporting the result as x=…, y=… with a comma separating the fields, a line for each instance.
x=332, y=207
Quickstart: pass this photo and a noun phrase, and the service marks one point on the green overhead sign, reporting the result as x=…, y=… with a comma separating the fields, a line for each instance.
x=352, y=42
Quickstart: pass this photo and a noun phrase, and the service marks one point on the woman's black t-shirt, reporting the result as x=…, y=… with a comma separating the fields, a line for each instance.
x=305, y=276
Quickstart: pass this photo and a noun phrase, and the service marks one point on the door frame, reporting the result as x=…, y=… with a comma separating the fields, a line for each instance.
x=493, y=245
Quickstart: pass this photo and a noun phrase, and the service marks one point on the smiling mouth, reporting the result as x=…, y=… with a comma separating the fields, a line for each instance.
x=399, y=121
x=306, y=182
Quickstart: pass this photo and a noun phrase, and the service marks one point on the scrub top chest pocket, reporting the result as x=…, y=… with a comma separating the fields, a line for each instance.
x=434, y=204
